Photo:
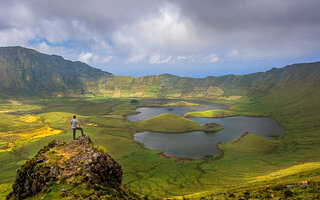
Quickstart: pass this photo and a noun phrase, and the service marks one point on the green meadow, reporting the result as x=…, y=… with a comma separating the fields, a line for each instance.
x=248, y=163
x=181, y=104
x=171, y=123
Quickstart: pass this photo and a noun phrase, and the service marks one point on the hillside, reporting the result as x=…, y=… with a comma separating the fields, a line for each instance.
x=250, y=143
x=26, y=72
x=289, y=95
x=180, y=104
x=170, y=123
x=77, y=170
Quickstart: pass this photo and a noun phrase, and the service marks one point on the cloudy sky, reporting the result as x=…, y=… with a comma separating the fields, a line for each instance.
x=184, y=37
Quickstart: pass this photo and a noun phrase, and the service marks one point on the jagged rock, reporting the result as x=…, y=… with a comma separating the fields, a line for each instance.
x=78, y=162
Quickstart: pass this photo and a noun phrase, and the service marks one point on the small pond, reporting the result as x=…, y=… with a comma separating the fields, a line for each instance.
x=197, y=144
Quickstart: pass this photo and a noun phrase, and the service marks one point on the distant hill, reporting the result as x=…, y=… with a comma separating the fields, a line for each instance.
x=26, y=72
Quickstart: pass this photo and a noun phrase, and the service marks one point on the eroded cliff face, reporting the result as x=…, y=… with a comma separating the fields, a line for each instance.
x=158, y=86
x=78, y=169
x=25, y=72
x=28, y=72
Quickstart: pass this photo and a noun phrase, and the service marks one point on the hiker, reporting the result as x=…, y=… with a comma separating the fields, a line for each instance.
x=76, y=126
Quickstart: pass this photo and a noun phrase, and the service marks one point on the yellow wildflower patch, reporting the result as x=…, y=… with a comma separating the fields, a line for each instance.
x=5, y=111
x=92, y=124
x=17, y=103
x=29, y=118
x=22, y=138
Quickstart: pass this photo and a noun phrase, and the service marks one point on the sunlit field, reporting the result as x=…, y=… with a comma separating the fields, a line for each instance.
x=27, y=125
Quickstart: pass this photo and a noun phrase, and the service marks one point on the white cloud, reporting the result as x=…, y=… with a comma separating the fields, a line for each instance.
x=212, y=58
x=135, y=58
x=188, y=58
x=85, y=57
x=158, y=59
x=106, y=59
x=43, y=47
x=182, y=58
x=153, y=31
x=54, y=30
x=167, y=30
x=15, y=36
x=89, y=58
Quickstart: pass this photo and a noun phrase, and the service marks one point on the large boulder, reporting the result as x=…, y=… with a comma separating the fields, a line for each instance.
x=78, y=163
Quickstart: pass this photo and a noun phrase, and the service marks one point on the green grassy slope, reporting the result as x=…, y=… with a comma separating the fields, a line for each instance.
x=290, y=95
x=147, y=173
x=181, y=104
x=249, y=143
x=211, y=113
x=170, y=123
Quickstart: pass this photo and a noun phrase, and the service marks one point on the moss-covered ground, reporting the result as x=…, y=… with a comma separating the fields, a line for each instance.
x=296, y=159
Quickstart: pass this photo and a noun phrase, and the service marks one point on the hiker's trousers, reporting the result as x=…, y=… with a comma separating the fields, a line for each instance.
x=74, y=132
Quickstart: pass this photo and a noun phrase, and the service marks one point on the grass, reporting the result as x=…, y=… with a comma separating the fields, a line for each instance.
x=249, y=143
x=19, y=139
x=180, y=104
x=171, y=123
x=211, y=113
x=290, y=171
x=218, y=113
x=147, y=173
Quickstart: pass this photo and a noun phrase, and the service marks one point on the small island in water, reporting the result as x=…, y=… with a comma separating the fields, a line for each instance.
x=179, y=104
x=171, y=123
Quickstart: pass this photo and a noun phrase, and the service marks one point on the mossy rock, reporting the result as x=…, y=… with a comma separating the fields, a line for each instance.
x=59, y=171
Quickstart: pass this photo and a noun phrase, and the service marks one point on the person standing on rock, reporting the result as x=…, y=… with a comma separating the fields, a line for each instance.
x=76, y=126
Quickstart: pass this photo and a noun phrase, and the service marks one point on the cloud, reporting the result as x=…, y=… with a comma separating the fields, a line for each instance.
x=166, y=31
x=44, y=47
x=212, y=58
x=15, y=36
x=85, y=57
x=89, y=57
x=257, y=29
x=135, y=58
x=163, y=32
x=158, y=59
x=106, y=59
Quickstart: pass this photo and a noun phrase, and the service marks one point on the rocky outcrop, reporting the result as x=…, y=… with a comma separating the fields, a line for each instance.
x=79, y=164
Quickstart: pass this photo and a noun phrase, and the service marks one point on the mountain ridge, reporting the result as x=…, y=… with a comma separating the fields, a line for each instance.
x=26, y=72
